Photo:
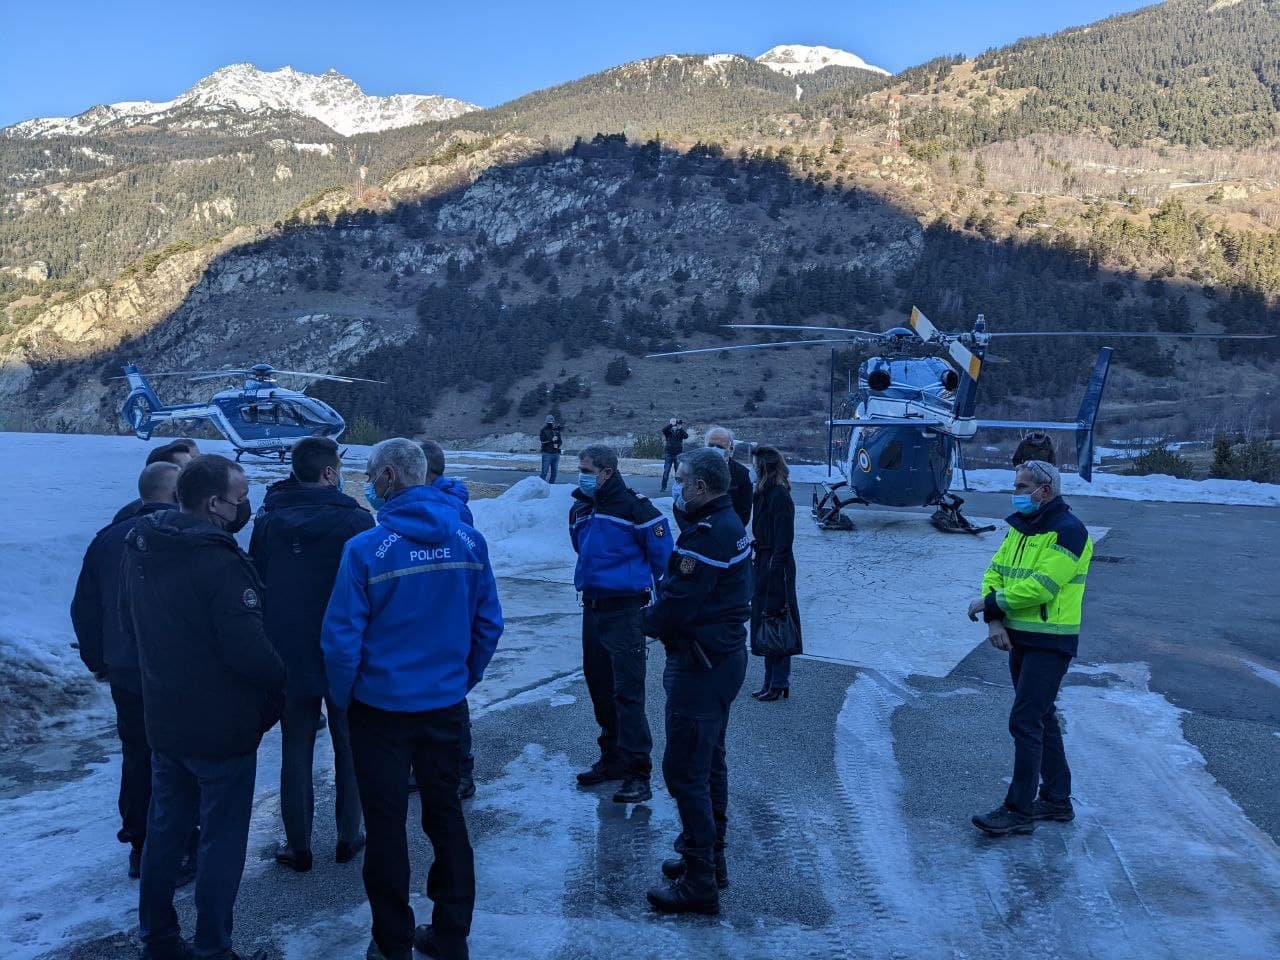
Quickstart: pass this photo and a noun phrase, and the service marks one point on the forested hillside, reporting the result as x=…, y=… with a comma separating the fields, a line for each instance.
x=514, y=258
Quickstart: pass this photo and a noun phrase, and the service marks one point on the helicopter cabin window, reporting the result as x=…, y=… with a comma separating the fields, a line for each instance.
x=891, y=456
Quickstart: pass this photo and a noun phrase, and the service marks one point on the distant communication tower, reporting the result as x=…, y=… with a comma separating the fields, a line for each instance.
x=893, y=132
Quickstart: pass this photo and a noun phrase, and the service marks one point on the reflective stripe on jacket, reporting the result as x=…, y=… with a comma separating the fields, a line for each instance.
x=1035, y=582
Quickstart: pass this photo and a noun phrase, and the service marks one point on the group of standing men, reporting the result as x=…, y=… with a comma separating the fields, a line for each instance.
x=207, y=647
x=693, y=595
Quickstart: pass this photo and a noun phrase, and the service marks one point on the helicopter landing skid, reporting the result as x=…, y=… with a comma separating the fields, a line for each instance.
x=827, y=509
x=949, y=519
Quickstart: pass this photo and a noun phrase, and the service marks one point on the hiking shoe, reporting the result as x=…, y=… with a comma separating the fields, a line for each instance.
x=600, y=772
x=348, y=850
x=1059, y=811
x=428, y=943
x=1003, y=820
x=299, y=861
x=373, y=953
x=633, y=790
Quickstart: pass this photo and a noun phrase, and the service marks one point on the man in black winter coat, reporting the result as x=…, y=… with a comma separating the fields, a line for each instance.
x=741, y=490
x=110, y=654
x=297, y=543
x=551, y=439
x=212, y=685
x=699, y=614
x=673, y=437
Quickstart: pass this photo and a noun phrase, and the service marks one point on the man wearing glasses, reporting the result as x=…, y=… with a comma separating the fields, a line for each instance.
x=1031, y=598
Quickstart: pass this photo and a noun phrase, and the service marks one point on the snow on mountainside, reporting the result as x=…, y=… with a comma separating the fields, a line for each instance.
x=794, y=58
x=335, y=100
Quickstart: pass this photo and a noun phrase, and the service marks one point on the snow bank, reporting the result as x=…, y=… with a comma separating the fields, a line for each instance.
x=60, y=490
x=527, y=528
x=1155, y=487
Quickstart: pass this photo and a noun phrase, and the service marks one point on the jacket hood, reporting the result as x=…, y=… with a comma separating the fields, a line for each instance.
x=422, y=514
x=1041, y=519
x=307, y=511
x=170, y=532
x=453, y=487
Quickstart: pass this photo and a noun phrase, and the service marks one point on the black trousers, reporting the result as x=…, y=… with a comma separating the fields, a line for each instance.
x=135, y=766
x=298, y=726
x=613, y=663
x=1039, y=758
x=384, y=746
x=694, y=764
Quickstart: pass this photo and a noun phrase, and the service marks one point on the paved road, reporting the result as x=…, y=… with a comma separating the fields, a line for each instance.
x=850, y=835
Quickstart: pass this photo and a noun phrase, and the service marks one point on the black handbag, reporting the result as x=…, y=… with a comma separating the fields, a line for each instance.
x=775, y=636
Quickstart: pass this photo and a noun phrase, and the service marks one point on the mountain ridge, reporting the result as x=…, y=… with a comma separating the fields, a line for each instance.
x=332, y=98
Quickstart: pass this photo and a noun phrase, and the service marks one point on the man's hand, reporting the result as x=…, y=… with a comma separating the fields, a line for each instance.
x=999, y=637
x=975, y=608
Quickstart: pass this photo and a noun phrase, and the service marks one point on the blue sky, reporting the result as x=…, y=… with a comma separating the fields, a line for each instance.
x=59, y=58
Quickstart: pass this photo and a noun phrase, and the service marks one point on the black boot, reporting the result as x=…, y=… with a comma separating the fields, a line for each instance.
x=673, y=869
x=427, y=942
x=1059, y=811
x=600, y=772
x=466, y=788
x=634, y=790
x=694, y=892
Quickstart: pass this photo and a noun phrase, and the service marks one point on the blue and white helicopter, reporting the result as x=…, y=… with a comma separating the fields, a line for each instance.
x=261, y=418
x=897, y=440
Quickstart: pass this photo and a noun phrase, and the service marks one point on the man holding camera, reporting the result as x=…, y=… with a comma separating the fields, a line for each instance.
x=673, y=437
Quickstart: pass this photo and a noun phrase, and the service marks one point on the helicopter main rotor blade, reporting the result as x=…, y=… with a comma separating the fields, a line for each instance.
x=755, y=346
x=1138, y=333
x=964, y=358
x=327, y=376
x=791, y=326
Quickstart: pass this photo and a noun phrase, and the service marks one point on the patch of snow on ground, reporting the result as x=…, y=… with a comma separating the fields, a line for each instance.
x=1113, y=486
x=1131, y=876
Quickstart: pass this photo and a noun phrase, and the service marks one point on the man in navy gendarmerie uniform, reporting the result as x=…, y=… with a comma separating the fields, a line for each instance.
x=297, y=542
x=212, y=685
x=412, y=624
x=111, y=655
x=702, y=605
x=623, y=543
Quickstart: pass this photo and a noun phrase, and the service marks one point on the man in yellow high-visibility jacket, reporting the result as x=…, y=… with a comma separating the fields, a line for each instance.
x=1031, y=598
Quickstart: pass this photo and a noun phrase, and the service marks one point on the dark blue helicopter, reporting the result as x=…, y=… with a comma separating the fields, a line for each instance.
x=898, y=438
x=261, y=418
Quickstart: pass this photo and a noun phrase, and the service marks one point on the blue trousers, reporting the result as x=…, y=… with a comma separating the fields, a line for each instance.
x=550, y=466
x=668, y=464
x=694, y=765
x=218, y=793
x=1039, y=758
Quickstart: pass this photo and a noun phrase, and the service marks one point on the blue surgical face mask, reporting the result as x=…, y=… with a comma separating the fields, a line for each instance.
x=1023, y=503
x=587, y=483
x=371, y=495
x=677, y=494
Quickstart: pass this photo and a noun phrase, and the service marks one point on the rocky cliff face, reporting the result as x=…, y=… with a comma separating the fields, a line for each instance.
x=519, y=223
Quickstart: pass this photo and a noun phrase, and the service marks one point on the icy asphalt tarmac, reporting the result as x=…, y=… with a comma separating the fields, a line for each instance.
x=849, y=832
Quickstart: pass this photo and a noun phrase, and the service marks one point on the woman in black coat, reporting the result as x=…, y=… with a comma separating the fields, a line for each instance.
x=773, y=527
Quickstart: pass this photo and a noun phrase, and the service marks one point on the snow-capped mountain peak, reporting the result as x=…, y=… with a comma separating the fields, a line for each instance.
x=794, y=58
x=331, y=98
